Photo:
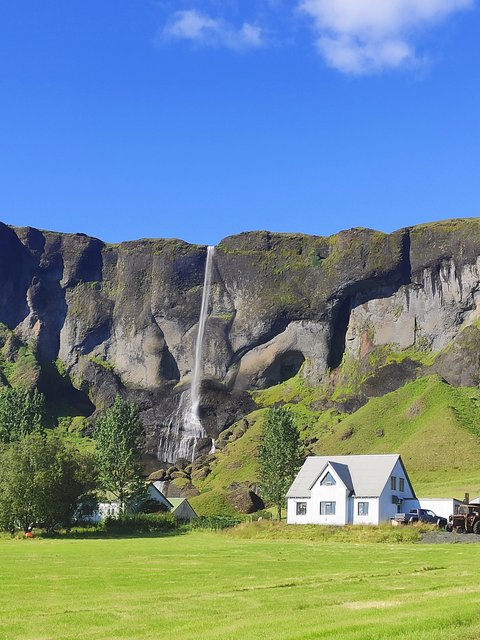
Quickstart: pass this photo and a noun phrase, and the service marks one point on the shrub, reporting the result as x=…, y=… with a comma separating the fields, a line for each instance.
x=150, y=505
x=214, y=522
x=141, y=523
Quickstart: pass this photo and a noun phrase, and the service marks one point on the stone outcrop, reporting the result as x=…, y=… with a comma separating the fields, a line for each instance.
x=123, y=318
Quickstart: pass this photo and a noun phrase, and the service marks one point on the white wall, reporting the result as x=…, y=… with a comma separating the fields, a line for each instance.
x=443, y=507
x=373, y=511
x=292, y=517
x=387, y=509
x=185, y=512
x=104, y=510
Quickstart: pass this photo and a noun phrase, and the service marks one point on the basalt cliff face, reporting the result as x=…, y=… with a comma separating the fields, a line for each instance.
x=124, y=318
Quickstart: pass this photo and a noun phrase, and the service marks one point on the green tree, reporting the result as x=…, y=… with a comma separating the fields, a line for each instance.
x=119, y=435
x=21, y=412
x=42, y=480
x=279, y=455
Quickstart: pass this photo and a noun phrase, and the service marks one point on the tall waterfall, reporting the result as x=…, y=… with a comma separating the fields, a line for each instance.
x=198, y=367
x=185, y=427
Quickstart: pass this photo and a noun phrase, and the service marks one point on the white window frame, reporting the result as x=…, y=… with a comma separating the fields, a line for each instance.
x=327, y=507
x=301, y=506
x=363, y=506
x=328, y=483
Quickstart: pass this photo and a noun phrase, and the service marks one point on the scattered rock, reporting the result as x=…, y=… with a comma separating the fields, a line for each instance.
x=415, y=409
x=157, y=475
x=201, y=474
x=243, y=499
x=181, y=463
x=348, y=433
x=178, y=474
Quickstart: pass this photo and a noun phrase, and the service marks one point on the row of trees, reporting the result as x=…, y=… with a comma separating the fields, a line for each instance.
x=44, y=477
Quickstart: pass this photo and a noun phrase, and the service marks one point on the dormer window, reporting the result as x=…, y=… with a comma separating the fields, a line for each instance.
x=327, y=480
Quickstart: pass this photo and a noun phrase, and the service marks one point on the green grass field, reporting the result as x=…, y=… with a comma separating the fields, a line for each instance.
x=205, y=585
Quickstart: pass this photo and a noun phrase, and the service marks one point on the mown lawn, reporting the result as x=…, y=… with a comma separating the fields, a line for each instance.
x=204, y=585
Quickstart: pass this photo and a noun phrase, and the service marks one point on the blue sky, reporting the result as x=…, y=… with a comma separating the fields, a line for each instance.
x=199, y=119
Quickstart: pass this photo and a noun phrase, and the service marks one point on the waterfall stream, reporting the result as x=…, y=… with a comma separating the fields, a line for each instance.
x=198, y=367
x=185, y=427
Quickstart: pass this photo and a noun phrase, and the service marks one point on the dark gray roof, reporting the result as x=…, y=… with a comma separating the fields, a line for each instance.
x=365, y=475
x=344, y=474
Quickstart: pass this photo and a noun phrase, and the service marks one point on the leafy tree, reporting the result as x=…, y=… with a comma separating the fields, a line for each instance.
x=42, y=480
x=21, y=412
x=279, y=455
x=119, y=435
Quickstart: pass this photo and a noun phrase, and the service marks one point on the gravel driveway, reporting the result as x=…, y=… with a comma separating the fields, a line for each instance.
x=443, y=537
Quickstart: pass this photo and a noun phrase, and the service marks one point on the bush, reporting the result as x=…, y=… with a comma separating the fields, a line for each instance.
x=214, y=522
x=150, y=505
x=141, y=523
x=260, y=515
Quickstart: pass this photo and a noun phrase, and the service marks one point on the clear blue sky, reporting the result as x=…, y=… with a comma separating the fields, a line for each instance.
x=139, y=118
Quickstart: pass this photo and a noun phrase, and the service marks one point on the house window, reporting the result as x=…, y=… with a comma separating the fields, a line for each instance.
x=301, y=508
x=393, y=483
x=328, y=480
x=401, y=484
x=363, y=508
x=327, y=508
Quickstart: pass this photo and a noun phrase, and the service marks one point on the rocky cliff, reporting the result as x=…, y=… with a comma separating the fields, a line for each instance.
x=123, y=318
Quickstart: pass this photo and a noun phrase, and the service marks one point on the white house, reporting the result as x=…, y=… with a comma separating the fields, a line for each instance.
x=180, y=507
x=339, y=490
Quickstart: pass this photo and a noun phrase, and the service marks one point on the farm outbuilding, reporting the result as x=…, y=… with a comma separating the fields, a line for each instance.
x=180, y=507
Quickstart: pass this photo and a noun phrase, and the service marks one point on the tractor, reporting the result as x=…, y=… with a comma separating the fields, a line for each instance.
x=466, y=520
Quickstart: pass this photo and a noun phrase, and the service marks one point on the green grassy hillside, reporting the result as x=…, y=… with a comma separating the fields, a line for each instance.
x=434, y=426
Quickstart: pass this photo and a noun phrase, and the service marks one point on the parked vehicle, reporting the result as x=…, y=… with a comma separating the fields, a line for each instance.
x=466, y=520
x=421, y=515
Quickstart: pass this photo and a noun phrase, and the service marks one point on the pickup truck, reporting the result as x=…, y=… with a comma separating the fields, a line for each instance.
x=421, y=515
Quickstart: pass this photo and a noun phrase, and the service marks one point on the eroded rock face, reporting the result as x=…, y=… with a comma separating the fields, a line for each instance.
x=426, y=313
x=124, y=318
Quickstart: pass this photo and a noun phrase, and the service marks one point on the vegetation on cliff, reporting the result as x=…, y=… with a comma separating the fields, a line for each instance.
x=386, y=326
